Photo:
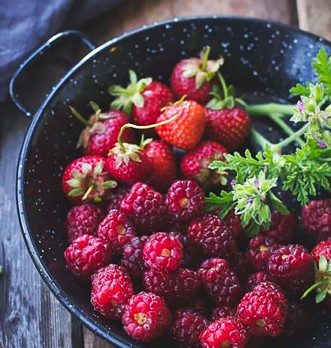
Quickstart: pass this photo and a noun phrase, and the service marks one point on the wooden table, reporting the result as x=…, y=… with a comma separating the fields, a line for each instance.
x=30, y=316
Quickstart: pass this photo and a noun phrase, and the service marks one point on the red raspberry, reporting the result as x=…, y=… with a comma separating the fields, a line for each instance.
x=146, y=317
x=117, y=198
x=222, y=312
x=163, y=252
x=255, y=279
x=292, y=267
x=185, y=200
x=220, y=282
x=186, y=328
x=261, y=314
x=297, y=321
x=117, y=229
x=259, y=250
x=225, y=332
x=145, y=206
x=282, y=228
x=83, y=219
x=86, y=254
x=212, y=236
x=174, y=287
x=132, y=259
x=323, y=248
x=316, y=218
x=111, y=290
x=275, y=293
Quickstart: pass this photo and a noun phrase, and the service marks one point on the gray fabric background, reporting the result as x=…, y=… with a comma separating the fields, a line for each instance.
x=25, y=24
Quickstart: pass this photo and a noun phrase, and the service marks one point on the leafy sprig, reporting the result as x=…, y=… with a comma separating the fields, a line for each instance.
x=300, y=172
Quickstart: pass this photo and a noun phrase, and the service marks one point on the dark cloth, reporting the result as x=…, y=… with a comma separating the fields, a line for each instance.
x=24, y=25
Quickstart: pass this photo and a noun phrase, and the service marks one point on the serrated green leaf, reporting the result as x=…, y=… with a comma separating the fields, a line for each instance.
x=322, y=67
x=300, y=89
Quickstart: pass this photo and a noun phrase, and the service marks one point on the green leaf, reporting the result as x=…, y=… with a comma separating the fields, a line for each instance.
x=224, y=202
x=322, y=66
x=76, y=192
x=323, y=264
x=321, y=295
x=277, y=204
x=301, y=90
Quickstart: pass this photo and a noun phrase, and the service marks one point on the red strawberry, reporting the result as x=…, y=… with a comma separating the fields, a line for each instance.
x=128, y=163
x=85, y=180
x=185, y=131
x=164, y=165
x=142, y=98
x=192, y=77
x=230, y=127
x=194, y=164
x=101, y=131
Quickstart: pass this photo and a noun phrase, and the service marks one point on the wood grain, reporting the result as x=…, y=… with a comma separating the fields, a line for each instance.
x=315, y=16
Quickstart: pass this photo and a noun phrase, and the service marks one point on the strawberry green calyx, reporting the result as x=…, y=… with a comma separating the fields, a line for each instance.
x=92, y=183
x=126, y=96
x=322, y=283
x=125, y=152
x=203, y=69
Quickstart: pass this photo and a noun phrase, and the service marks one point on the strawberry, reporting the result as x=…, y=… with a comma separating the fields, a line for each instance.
x=194, y=164
x=101, y=131
x=164, y=165
x=143, y=99
x=85, y=180
x=192, y=77
x=186, y=130
x=226, y=123
x=128, y=163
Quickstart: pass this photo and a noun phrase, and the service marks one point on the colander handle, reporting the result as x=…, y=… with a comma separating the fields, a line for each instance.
x=69, y=34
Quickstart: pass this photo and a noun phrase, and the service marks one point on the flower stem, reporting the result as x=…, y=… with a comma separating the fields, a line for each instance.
x=285, y=127
x=270, y=108
x=291, y=138
x=259, y=138
x=313, y=287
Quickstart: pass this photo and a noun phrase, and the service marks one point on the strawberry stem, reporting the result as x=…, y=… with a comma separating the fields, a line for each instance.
x=224, y=86
x=149, y=126
x=87, y=193
x=80, y=117
x=205, y=59
x=313, y=287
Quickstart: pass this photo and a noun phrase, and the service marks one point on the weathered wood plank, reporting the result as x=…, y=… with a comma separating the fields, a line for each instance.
x=314, y=16
x=30, y=316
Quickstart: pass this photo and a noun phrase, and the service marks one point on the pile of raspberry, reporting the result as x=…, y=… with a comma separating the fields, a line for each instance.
x=165, y=267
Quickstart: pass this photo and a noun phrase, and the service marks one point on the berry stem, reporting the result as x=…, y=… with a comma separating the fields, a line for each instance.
x=224, y=86
x=270, y=108
x=205, y=59
x=80, y=117
x=86, y=194
x=285, y=127
x=313, y=287
x=131, y=125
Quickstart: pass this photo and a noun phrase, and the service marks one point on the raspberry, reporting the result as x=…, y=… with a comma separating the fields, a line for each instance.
x=259, y=250
x=282, y=228
x=220, y=282
x=198, y=304
x=225, y=332
x=117, y=229
x=255, y=279
x=275, y=293
x=185, y=200
x=117, y=198
x=323, y=248
x=146, y=317
x=261, y=314
x=316, y=218
x=145, y=206
x=212, y=236
x=132, y=259
x=83, y=219
x=86, y=254
x=292, y=267
x=222, y=312
x=175, y=287
x=186, y=328
x=297, y=321
x=163, y=252
x=111, y=290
